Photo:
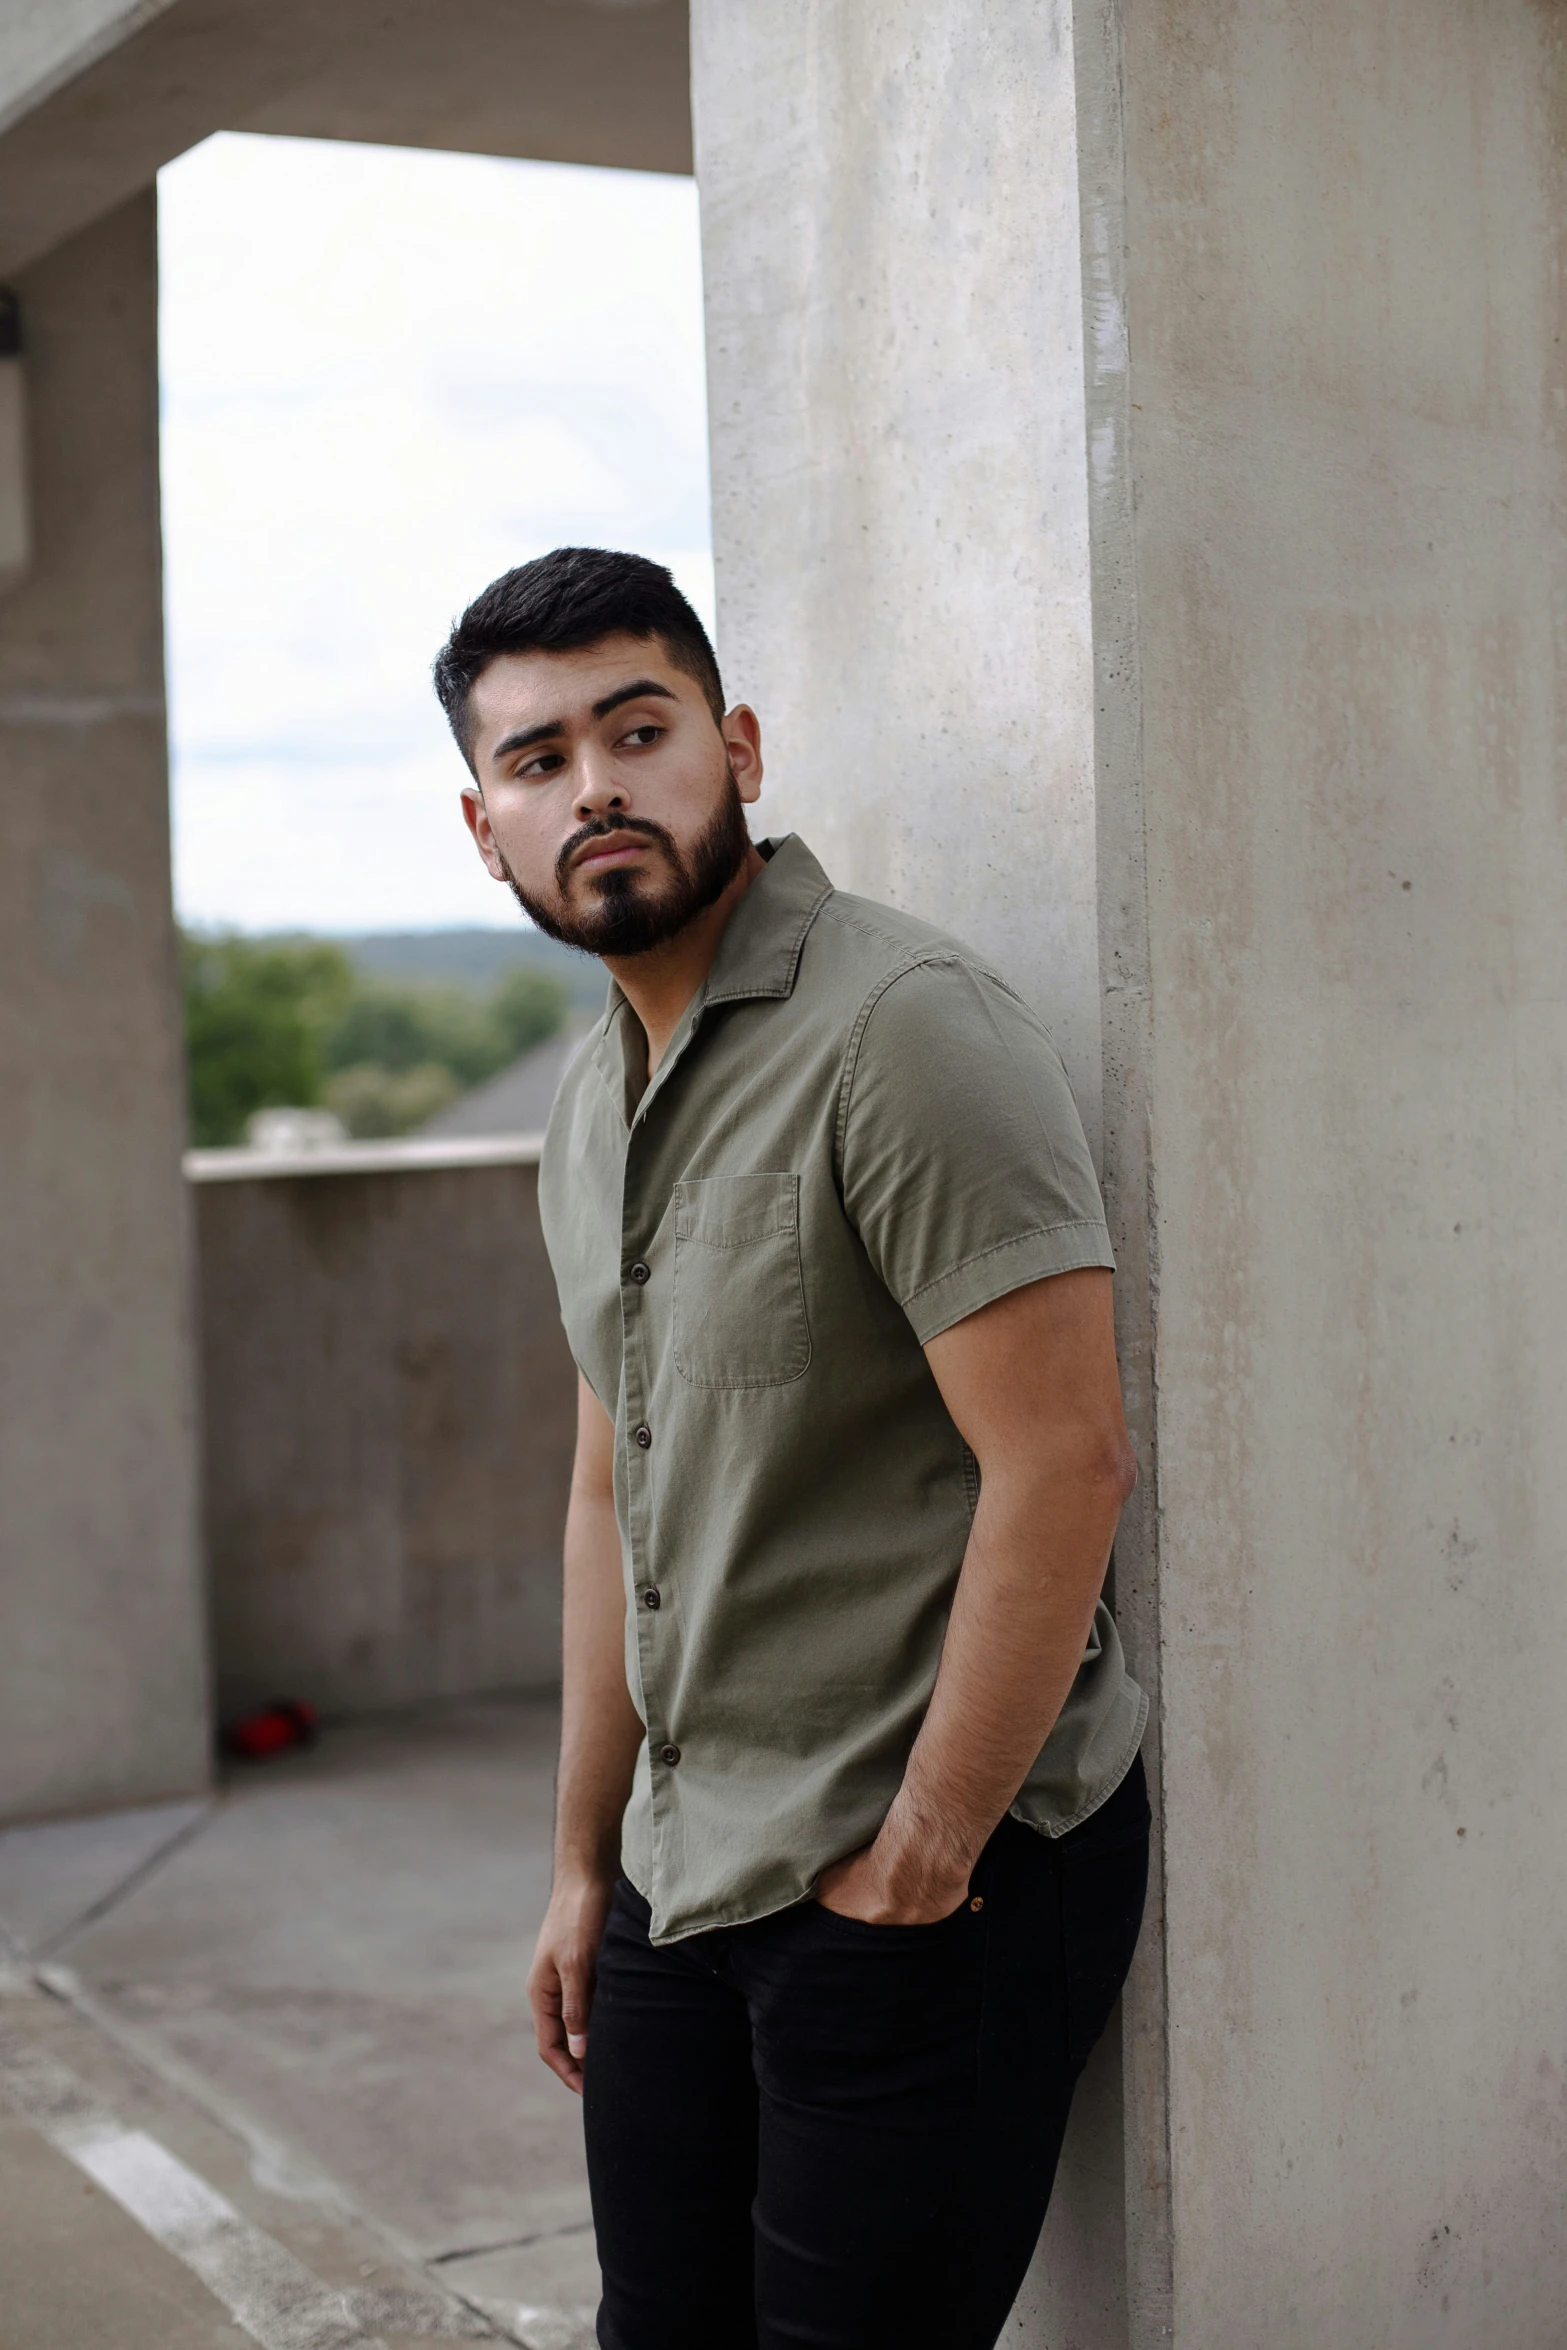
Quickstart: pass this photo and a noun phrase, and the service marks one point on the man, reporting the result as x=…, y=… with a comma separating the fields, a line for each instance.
x=852, y=1832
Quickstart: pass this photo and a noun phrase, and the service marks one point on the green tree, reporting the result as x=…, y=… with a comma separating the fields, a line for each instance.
x=529, y=1007
x=274, y=1024
x=256, y=1017
x=373, y=1101
x=386, y=1026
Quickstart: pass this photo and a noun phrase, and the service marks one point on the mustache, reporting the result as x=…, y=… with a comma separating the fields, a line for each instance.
x=601, y=828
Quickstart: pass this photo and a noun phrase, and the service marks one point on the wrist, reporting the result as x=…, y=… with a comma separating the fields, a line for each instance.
x=579, y=1877
x=916, y=1854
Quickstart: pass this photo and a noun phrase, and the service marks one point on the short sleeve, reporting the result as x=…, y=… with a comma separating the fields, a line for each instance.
x=965, y=1168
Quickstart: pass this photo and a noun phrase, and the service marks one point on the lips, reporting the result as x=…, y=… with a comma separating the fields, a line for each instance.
x=609, y=851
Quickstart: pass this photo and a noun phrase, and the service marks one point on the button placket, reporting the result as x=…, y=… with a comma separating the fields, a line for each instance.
x=637, y=1274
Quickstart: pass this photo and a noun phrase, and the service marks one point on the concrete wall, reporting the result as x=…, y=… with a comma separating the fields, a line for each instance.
x=1344, y=582
x=390, y=1406
x=102, y=1669
x=1309, y=260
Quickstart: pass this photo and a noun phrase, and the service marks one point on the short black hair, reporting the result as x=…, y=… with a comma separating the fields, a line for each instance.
x=572, y=597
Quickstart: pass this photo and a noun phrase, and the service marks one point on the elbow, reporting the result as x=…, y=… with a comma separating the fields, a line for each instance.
x=1114, y=1468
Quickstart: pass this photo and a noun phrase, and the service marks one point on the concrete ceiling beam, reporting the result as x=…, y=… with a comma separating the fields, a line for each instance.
x=578, y=81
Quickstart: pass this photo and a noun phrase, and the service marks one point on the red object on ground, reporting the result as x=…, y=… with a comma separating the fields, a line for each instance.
x=272, y=1729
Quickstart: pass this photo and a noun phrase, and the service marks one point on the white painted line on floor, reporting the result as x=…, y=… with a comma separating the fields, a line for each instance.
x=273, y=2296
x=545, y=2329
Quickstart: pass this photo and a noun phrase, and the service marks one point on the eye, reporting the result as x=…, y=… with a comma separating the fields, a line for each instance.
x=543, y=763
x=642, y=736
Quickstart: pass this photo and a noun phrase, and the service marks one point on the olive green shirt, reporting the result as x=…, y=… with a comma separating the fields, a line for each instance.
x=857, y=1136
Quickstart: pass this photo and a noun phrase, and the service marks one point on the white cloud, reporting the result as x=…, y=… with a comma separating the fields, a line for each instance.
x=387, y=376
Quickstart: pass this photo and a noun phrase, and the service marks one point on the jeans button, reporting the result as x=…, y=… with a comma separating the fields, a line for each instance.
x=669, y=1754
x=642, y=1437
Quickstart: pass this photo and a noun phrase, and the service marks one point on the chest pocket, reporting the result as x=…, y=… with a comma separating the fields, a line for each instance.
x=739, y=1290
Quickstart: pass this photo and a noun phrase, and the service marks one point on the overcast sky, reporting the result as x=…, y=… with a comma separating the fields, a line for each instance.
x=387, y=376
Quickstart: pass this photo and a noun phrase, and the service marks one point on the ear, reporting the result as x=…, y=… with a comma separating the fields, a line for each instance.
x=742, y=733
x=477, y=818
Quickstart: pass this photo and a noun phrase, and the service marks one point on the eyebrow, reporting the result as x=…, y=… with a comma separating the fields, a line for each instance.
x=644, y=686
x=640, y=690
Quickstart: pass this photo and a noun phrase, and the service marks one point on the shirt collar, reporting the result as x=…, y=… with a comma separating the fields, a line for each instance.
x=759, y=953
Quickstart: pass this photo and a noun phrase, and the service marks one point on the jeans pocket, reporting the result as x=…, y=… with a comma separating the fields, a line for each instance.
x=866, y=1929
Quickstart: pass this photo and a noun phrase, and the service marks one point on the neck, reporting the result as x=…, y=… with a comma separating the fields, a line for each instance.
x=659, y=984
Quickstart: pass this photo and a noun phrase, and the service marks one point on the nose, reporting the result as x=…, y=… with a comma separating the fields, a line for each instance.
x=599, y=792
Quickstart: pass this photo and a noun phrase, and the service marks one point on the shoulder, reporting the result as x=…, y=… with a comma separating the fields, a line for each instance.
x=907, y=983
x=862, y=949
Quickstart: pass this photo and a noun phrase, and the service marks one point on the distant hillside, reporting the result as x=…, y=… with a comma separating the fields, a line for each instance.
x=473, y=958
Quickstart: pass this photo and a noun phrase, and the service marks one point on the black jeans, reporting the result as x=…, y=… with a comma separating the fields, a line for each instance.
x=809, y=2130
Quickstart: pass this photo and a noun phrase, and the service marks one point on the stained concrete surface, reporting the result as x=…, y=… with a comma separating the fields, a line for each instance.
x=78, y=2269
x=55, y=1877
x=327, y=1967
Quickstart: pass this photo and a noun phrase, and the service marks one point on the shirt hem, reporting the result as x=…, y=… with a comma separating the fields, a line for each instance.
x=1054, y=1829
x=721, y=1918
x=1096, y=1802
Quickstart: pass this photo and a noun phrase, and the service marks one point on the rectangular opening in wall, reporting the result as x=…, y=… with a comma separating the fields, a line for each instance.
x=388, y=375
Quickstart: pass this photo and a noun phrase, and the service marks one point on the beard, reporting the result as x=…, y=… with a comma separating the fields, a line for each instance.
x=631, y=911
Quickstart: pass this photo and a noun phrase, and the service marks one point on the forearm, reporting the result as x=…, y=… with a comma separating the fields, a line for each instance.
x=600, y=1728
x=1020, y=1618
x=600, y=1734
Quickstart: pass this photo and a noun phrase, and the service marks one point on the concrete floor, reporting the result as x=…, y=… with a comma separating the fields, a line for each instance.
x=308, y=1993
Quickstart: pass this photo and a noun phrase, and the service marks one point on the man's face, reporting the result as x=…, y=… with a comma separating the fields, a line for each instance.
x=606, y=795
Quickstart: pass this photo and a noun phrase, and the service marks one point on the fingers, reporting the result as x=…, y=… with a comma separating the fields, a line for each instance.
x=560, y=1990
x=576, y=1999
x=547, y=1995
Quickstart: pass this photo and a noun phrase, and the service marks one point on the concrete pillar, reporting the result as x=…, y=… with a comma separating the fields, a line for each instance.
x=102, y=1652
x=1227, y=343
x=899, y=501
x=900, y=511
x=1333, y=783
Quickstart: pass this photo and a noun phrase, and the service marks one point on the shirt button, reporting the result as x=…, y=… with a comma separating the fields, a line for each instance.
x=642, y=1437
x=641, y=1273
x=650, y=1598
x=669, y=1754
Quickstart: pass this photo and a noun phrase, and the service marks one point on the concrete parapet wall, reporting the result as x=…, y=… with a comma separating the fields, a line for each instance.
x=389, y=1415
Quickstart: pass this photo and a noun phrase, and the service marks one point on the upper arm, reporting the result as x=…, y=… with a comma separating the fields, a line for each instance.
x=593, y=1469
x=1032, y=1378
x=965, y=1170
